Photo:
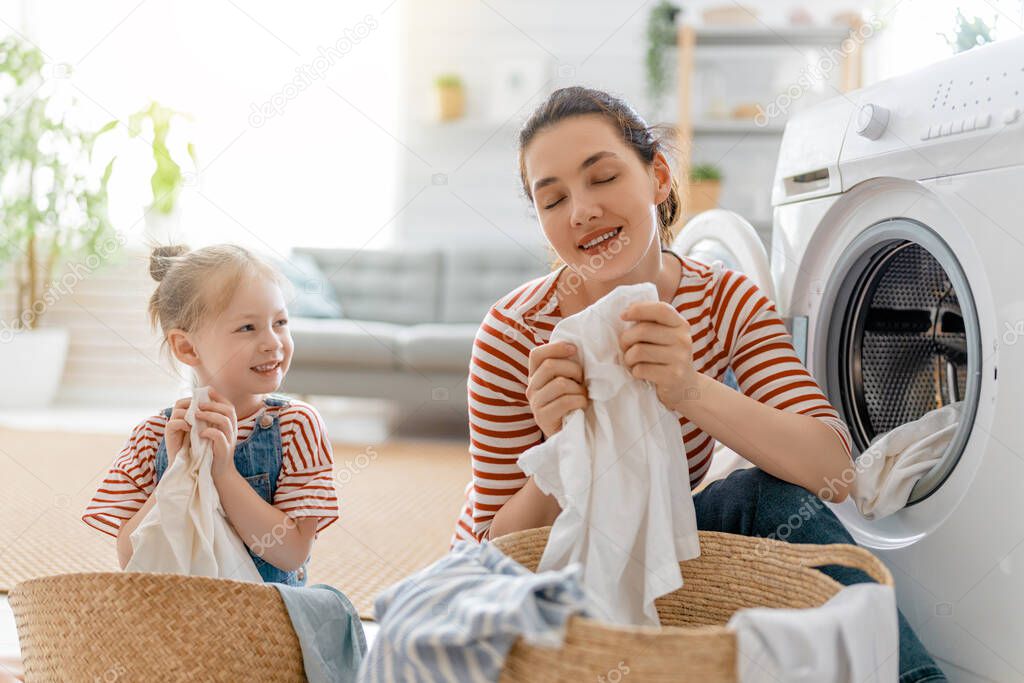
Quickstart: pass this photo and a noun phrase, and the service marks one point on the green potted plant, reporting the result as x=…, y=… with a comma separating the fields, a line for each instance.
x=705, y=186
x=968, y=33
x=661, y=39
x=53, y=213
x=162, y=214
x=451, y=97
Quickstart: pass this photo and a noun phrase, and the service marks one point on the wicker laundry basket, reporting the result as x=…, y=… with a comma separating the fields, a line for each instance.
x=113, y=626
x=733, y=572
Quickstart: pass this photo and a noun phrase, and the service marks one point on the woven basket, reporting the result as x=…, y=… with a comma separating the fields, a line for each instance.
x=733, y=572
x=113, y=626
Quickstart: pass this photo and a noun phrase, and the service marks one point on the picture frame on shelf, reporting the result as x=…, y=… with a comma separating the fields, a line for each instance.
x=514, y=83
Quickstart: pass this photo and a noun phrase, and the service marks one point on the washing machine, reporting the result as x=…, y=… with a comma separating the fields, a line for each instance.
x=897, y=258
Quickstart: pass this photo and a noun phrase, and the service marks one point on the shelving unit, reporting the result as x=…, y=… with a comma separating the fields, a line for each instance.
x=693, y=126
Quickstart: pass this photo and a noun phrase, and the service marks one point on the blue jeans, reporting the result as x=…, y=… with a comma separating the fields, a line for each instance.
x=752, y=502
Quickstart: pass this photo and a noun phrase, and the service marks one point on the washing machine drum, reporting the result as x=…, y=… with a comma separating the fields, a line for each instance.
x=903, y=337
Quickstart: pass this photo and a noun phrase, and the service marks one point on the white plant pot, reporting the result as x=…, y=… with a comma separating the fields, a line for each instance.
x=31, y=363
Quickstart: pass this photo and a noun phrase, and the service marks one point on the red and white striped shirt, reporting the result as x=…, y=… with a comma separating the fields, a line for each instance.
x=732, y=323
x=305, y=485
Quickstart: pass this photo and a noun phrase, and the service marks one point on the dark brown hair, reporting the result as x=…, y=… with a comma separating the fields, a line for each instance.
x=645, y=140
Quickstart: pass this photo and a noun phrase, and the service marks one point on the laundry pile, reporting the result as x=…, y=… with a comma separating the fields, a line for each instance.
x=618, y=470
x=457, y=619
x=886, y=472
x=329, y=630
x=852, y=638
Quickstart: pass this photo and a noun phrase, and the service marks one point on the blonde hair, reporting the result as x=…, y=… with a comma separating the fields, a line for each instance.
x=194, y=286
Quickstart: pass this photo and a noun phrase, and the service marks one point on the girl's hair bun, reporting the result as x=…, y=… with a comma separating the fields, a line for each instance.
x=162, y=258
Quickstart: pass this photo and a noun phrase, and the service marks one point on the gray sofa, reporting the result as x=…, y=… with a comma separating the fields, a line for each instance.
x=407, y=320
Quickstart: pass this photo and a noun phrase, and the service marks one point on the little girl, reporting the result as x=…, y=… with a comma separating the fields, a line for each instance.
x=222, y=312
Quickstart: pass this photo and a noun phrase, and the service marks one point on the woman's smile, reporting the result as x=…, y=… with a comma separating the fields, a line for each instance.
x=597, y=241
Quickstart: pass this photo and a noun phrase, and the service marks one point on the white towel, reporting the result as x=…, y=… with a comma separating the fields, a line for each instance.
x=852, y=638
x=887, y=470
x=186, y=531
x=618, y=469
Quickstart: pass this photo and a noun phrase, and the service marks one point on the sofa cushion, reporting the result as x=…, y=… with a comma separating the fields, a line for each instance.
x=345, y=343
x=397, y=286
x=473, y=279
x=313, y=295
x=437, y=347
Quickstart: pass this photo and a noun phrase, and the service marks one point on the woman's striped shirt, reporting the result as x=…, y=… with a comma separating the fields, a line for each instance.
x=733, y=324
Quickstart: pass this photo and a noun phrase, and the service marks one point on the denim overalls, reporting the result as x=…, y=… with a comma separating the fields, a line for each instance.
x=258, y=459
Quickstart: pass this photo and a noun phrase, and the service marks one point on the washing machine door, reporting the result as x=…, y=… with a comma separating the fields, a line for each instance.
x=721, y=235
x=901, y=338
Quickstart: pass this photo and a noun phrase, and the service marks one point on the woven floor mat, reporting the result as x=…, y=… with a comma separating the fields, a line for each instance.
x=399, y=502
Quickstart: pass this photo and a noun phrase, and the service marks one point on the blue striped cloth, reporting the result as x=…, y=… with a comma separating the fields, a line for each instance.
x=457, y=619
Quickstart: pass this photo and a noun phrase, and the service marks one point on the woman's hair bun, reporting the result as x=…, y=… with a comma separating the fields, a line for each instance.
x=162, y=258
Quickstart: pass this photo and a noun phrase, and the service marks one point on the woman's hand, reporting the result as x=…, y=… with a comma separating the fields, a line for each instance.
x=176, y=430
x=555, y=387
x=223, y=431
x=659, y=348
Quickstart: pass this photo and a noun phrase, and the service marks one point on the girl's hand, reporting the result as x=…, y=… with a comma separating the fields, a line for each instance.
x=223, y=431
x=659, y=348
x=555, y=387
x=176, y=430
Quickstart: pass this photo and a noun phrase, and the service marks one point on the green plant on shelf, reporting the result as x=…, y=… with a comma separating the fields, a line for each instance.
x=705, y=173
x=661, y=38
x=968, y=33
x=448, y=81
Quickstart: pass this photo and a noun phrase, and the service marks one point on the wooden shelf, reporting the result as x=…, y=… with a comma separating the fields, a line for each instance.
x=760, y=34
x=735, y=127
x=749, y=38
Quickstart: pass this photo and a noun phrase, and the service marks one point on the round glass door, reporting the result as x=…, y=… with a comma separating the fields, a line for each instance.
x=903, y=339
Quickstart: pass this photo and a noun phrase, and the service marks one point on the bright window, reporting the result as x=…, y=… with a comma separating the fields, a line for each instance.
x=292, y=110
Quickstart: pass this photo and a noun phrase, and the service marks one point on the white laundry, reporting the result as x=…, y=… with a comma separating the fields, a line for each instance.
x=186, y=531
x=618, y=470
x=887, y=470
x=852, y=638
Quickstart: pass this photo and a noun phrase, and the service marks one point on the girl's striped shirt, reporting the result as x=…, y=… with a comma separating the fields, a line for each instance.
x=732, y=323
x=305, y=484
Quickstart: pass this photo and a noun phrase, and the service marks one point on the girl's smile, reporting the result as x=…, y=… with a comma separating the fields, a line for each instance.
x=245, y=352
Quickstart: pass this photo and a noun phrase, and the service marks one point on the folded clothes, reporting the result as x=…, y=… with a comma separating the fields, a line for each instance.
x=886, y=472
x=329, y=630
x=457, y=619
x=618, y=470
x=852, y=638
x=186, y=530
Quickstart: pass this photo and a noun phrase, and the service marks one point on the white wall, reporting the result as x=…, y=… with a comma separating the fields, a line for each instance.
x=318, y=170
x=598, y=43
x=571, y=42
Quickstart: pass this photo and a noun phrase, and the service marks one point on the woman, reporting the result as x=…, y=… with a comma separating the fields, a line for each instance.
x=604, y=194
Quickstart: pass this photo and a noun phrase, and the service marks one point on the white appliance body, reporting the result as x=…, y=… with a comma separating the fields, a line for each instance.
x=927, y=168
x=944, y=174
